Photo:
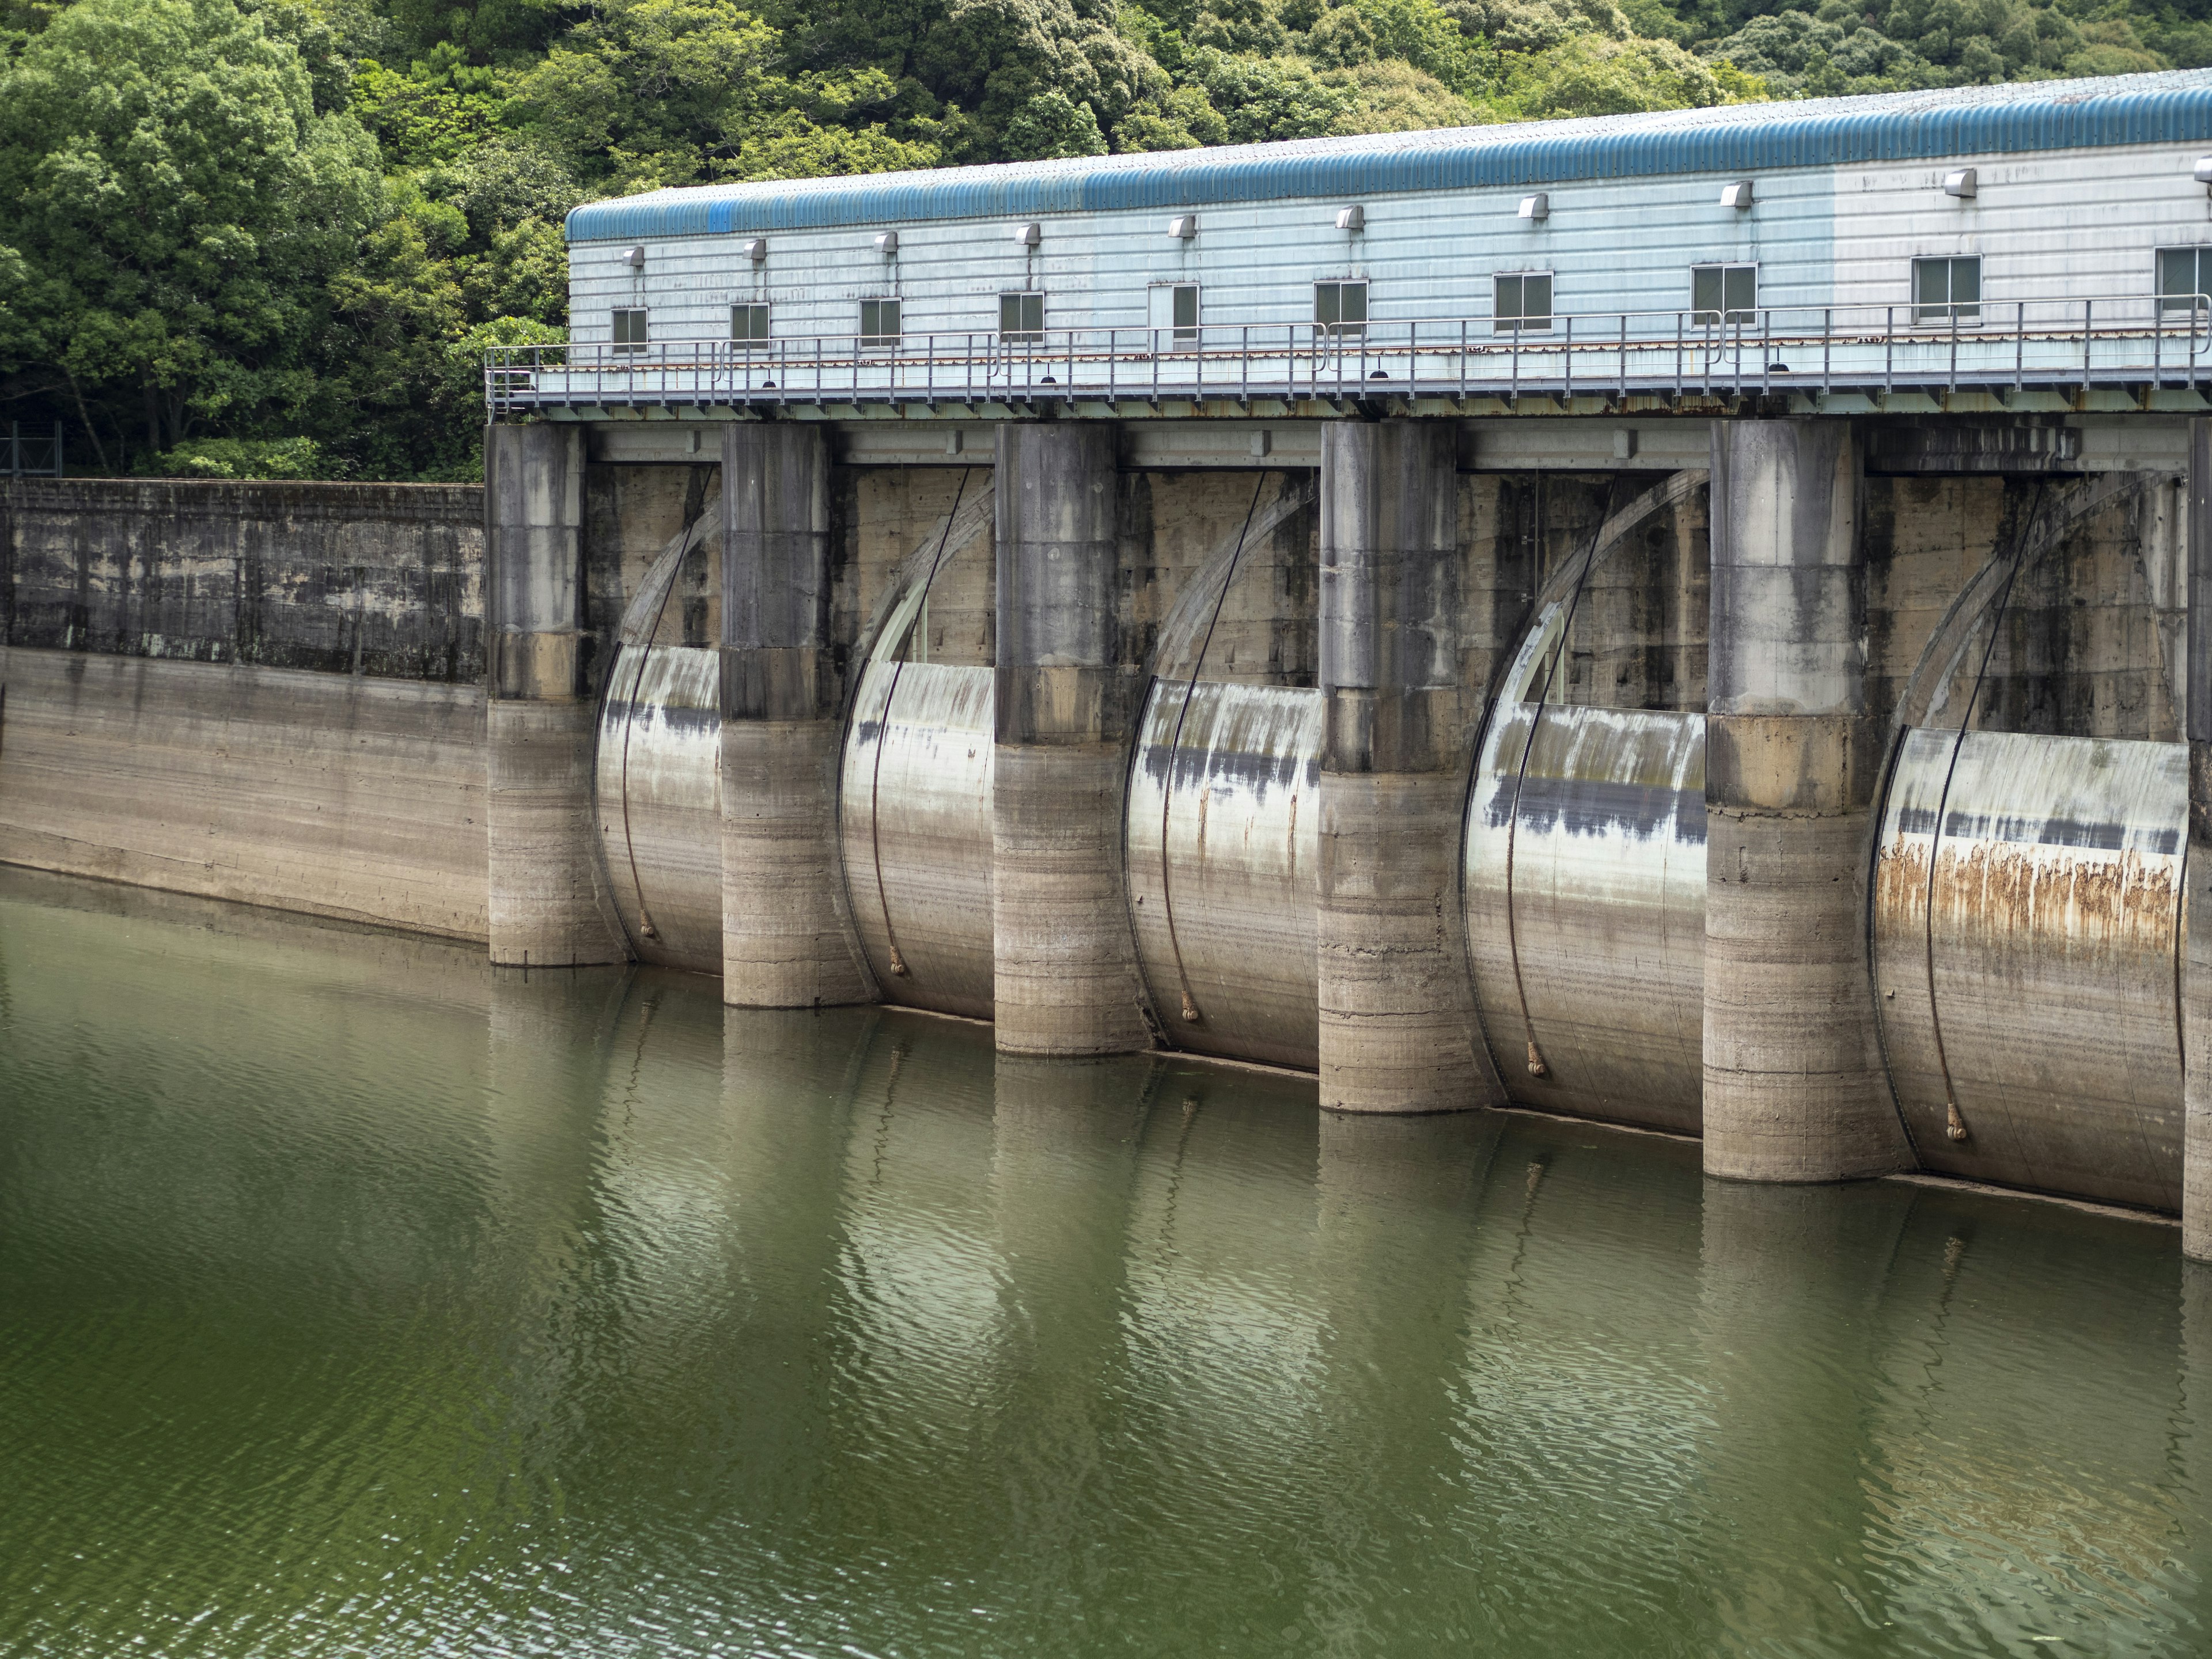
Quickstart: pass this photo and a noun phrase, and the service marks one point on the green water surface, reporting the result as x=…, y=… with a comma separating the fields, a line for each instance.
x=358, y=1299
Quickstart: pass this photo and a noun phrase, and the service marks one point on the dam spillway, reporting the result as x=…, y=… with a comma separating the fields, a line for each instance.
x=2023, y=989
x=1521, y=684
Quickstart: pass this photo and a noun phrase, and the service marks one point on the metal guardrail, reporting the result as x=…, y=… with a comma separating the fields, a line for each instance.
x=2015, y=345
x=35, y=455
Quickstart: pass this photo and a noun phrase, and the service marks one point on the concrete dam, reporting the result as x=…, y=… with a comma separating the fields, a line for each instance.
x=1332, y=605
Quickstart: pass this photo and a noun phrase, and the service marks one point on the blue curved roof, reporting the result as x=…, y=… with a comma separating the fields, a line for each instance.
x=2170, y=107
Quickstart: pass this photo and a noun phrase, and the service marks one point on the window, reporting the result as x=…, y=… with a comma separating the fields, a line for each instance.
x=1724, y=293
x=880, y=322
x=1521, y=301
x=749, y=325
x=1947, y=290
x=1021, y=316
x=629, y=331
x=1172, y=308
x=2184, y=274
x=1340, y=308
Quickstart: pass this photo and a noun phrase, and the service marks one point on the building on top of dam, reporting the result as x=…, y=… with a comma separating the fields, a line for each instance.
x=1974, y=237
x=1701, y=621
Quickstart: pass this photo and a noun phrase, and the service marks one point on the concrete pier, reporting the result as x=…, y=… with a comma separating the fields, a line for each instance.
x=1397, y=1017
x=1064, y=959
x=545, y=909
x=784, y=941
x=2196, y=961
x=1794, y=1089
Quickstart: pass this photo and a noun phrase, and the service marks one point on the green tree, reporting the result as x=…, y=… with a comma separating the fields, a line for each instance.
x=649, y=93
x=180, y=201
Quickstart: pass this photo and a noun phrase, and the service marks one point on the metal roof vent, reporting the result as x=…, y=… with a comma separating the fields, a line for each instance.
x=2204, y=169
x=1028, y=235
x=1183, y=226
x=756, y=249
x=634, y=257
x=887, y=242
x=1737, y=194
x=1351, y=218
x=1959, y=184
x=1536, y=208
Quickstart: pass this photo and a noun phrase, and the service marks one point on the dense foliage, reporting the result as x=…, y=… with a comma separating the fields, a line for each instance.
x=271, y=237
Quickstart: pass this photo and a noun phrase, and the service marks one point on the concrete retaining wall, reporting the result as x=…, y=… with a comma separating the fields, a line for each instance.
x=334, y=794
x=381, y=580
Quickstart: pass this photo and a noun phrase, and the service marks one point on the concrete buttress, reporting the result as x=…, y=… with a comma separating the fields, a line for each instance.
x=1397, y=1017
x=545, y=909
x=1064, y=958
x=2196, y=912
x=785, y=943
x=1794, y=1087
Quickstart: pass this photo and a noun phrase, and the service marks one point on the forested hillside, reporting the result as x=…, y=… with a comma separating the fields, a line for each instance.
x=270, y=237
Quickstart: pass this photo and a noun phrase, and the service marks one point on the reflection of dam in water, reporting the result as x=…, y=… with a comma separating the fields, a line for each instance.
x=1446, y=845
x=751, y=1308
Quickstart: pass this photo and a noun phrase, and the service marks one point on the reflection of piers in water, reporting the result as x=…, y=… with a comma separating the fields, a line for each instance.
x=832, y=1328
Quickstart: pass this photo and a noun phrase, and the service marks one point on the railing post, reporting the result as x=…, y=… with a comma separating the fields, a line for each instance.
x=2088, y=326
x=1827, y=349
x=58, y=471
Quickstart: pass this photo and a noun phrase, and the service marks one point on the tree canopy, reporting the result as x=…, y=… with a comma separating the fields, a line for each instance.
x=273, y=236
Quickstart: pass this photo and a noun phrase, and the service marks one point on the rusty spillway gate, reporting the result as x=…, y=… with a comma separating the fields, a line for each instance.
x=2023, y=910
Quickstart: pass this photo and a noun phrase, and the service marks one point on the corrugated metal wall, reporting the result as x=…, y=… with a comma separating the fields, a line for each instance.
x=1846, y=200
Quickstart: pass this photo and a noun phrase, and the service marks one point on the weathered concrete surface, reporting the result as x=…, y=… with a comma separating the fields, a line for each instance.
x=546, y=904
x=534, y=583
x=1064, y=970
x=786, y=942
x=382, y=579
x=2196, y=897
x=1794, y=1087
x=354, y=798
x=2092, y=642
x=1397, y=1029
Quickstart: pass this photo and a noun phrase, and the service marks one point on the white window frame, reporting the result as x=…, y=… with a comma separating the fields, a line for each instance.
x=1522, y=320
x=1328, y=316
x=878, y=339
x=624, y=341
x=2182, y=299
x=1948, y=312
x=1162, y=302
x=1723, y=314
x=1022, y=331
x=752, y=308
